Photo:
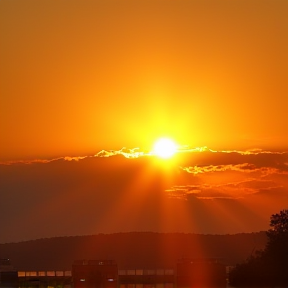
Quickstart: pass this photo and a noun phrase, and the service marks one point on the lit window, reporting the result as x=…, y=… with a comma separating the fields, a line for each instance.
x=82, y=280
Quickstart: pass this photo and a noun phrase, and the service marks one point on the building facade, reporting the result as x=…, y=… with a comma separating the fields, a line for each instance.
x=8, y=275
x=95, y=274
x=146, y=278
x=203, y=272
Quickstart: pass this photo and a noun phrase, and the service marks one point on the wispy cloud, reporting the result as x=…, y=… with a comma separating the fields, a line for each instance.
x=245, y=168
x=233, y=190
x=276, y=157
x=126, y=152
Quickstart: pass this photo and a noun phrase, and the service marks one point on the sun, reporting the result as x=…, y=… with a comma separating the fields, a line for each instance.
x=164, y=148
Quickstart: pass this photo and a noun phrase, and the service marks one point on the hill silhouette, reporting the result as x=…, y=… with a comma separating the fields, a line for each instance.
x=130, y=250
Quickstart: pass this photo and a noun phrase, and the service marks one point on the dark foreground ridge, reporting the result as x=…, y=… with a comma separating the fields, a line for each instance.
x=147, y=250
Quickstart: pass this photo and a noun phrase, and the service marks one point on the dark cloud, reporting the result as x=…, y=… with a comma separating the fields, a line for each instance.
x=130, y=190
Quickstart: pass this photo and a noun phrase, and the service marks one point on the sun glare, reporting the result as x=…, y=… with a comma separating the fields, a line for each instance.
x=164, y=148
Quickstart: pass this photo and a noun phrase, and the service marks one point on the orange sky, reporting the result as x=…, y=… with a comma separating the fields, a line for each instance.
x=77, y=77
x=89, y=77
x=207, y=192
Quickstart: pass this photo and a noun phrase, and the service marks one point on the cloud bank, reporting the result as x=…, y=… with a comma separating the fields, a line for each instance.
x=199, y=191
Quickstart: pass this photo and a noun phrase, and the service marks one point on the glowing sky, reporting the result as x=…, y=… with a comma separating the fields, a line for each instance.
x=81, y=76
x=86, y=78
x=198, y=191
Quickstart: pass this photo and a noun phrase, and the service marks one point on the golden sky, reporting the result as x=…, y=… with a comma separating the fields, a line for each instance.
x=77, y=77
x=81, y=79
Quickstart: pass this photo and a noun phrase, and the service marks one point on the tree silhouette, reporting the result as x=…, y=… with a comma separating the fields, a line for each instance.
x=268, y=266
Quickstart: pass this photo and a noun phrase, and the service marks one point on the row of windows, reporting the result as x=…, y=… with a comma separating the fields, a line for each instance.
x=120, y=272
x=146, y=272
x=44, y=273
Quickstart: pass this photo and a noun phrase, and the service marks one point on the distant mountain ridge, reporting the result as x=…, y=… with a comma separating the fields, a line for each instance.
x=130, y=250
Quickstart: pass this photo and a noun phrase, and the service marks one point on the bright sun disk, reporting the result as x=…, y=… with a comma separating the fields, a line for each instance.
x=164, y=148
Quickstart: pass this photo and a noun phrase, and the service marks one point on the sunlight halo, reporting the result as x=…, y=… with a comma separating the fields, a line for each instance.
x=164, y=148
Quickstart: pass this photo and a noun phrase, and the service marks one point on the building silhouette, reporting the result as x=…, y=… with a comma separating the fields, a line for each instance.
x=8, y=275
x=95, y=273
x=146, y=278
x=200, y=272
x=189, y=272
